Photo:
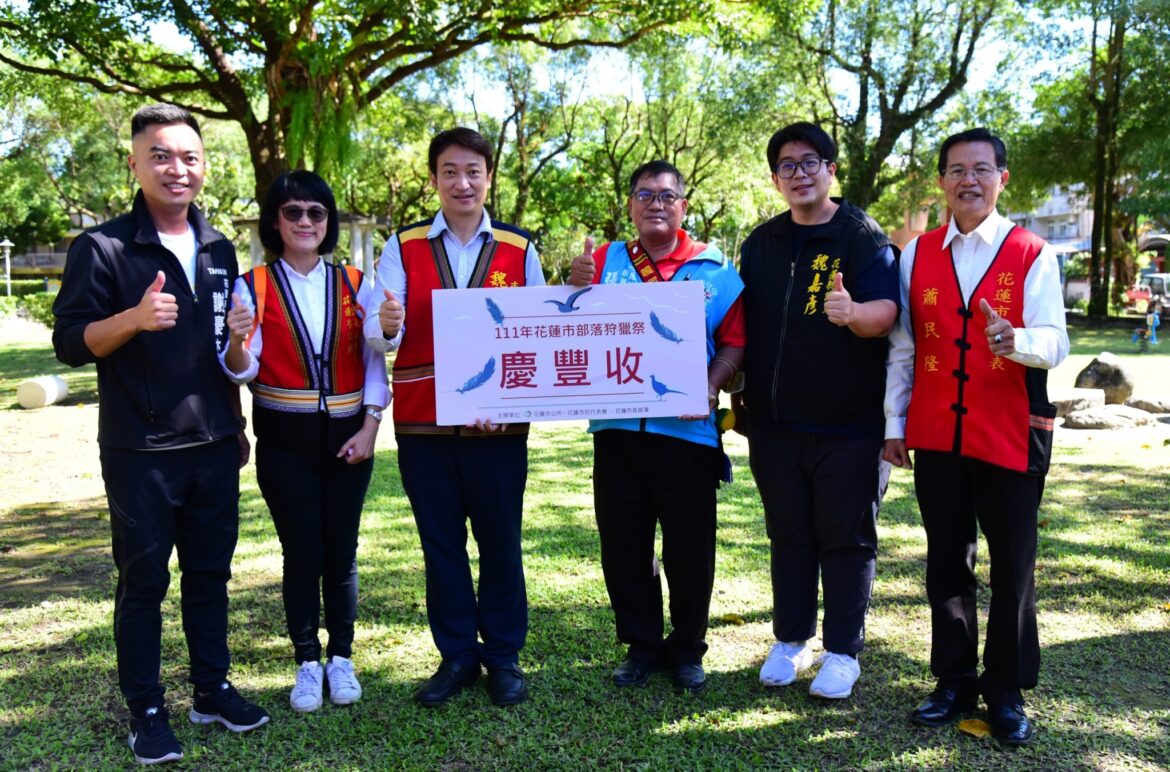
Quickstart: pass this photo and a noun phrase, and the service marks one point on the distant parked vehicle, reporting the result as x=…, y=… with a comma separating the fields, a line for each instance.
x=1149, y=288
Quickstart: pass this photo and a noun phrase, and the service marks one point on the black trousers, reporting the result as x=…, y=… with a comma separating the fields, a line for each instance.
x=316, y=502
x=955, y=494
x=451, y=479
x=821, y=495
x=641, y=480
x=186, y=498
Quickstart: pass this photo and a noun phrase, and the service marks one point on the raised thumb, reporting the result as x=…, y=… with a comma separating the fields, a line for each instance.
x=838, y=282
x=588, y=245
x=159, y=281
x=389, y=295
x=236, y=301
x=987, y=310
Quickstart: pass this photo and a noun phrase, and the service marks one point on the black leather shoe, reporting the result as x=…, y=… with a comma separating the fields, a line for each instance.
x=633, y=672
x=1010, y=725
x=689, y=678
x=450, y=679
x=506, y=685
x=943, y=706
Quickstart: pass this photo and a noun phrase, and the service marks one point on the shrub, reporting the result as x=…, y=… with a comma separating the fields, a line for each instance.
x=39, y=307
x=8, y=306
x=22, y=287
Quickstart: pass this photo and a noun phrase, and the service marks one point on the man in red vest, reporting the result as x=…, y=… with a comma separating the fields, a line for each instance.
x=982, y=322
x=455, y=474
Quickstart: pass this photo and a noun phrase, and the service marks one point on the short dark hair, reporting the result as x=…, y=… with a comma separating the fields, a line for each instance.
x=463, y=137
x=655, y=168
x=972, y=135
x=801, y=131
x=299, y=185
x=161, y=114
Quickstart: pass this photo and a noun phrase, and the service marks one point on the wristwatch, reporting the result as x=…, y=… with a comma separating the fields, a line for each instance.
x=374, y=413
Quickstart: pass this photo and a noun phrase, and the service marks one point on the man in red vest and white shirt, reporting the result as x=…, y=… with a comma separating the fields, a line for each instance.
x=453, y=474
x=982, y=322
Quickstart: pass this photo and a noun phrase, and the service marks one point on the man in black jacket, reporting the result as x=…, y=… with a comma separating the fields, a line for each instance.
x=145, y=297
x=820, y=294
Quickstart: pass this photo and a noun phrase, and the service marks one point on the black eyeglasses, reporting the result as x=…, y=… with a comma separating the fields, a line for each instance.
x=292, y=213
x=666, y=197
x=786, y=170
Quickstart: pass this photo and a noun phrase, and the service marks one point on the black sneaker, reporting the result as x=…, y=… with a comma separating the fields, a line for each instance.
x=226, y=706
x=151, y=738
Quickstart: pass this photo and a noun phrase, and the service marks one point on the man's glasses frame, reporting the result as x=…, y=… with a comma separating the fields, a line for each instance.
x=980, y=172
x=786, y=170
x=293, y=214
x=666, y=197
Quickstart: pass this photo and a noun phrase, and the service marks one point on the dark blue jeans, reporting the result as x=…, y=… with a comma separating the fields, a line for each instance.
x=186, y=498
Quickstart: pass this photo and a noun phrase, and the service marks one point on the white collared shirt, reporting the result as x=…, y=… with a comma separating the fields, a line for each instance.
x=309, y=294
x=461, y=257
x=1041, y=342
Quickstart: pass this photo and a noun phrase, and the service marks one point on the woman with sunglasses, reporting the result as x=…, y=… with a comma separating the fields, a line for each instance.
x=317, y=398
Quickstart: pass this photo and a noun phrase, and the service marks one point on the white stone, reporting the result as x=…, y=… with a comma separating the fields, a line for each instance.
x=1108, y=417
x=42, y=392
x=1150, y=403
x=1070, y=400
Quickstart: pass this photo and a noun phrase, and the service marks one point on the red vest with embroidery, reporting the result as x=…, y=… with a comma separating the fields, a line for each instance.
x=289, y=379
x=966, y=400
x=500, y=264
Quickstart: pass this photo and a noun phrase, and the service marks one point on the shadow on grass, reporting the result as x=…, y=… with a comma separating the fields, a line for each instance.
x=53, y=550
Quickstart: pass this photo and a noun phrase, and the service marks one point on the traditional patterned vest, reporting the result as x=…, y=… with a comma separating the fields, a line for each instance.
x=966, y=400
x=500, y=264
x=291, y=378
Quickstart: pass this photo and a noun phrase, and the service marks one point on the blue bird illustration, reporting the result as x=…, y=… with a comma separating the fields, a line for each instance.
x=567, y=306
x=661, y=388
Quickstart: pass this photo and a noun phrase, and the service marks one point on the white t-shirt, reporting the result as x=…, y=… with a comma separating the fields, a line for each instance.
x=184, y=248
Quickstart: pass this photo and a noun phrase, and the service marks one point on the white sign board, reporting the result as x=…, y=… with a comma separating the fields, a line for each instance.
x=565, y=353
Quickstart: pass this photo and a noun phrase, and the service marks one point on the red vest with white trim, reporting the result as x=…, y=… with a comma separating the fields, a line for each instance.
x=966, y=400
x=289, y=380
x=501, y=263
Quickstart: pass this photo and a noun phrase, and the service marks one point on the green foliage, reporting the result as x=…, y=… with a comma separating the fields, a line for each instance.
x=8, y=306
x=21, y=287
x=39, y=307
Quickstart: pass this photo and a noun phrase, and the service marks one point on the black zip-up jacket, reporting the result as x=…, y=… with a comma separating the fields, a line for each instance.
x=161, y=389
x=799, y=367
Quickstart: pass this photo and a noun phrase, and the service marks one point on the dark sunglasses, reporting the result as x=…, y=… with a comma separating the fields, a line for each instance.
x=316, y=214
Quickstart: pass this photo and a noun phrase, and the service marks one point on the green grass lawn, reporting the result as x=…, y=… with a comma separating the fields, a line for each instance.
x=1103, y=582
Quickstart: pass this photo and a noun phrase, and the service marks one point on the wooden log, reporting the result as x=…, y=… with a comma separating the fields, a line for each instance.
x=42, y=391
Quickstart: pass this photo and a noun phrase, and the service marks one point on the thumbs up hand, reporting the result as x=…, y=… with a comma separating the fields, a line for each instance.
x=838, y=303
x=1001, y=336
x=391, y=315
x=157, y=310
x=240, y=320
x=584, y=266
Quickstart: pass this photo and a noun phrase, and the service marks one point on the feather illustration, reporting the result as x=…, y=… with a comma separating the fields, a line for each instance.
x=494, y=310
x=480, y=378
x=662, y=329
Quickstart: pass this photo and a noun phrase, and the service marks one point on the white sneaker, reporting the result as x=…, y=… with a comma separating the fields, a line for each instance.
x=785, y=662
x=838, y=674
x=344, y=688
x=306, y=694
